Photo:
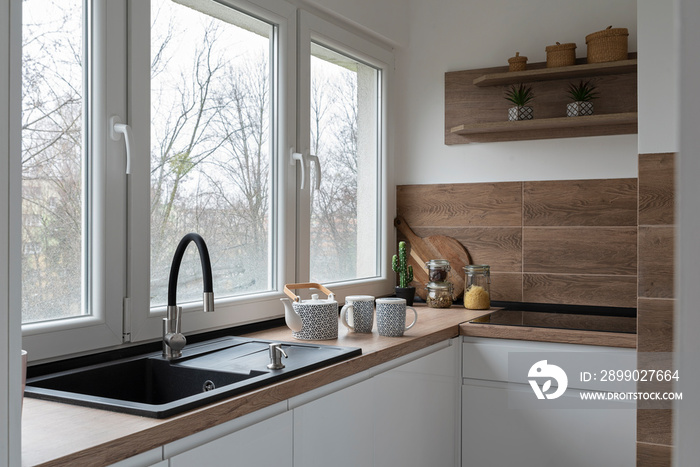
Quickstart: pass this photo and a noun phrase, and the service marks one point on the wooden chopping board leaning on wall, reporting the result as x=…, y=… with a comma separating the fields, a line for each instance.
x=423, y=249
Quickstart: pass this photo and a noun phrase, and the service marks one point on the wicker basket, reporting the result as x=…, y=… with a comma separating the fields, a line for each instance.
x=608, y=45
x=517, y=63
x=561, y=55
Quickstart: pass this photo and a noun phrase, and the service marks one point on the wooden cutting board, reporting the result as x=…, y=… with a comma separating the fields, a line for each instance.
x=423, y=249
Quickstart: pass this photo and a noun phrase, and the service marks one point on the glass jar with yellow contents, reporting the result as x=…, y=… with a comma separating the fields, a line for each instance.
x=477, y=293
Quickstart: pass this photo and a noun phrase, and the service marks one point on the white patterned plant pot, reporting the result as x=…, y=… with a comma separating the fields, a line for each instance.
x=318, y=322
x=579, y=109
x=520, y=113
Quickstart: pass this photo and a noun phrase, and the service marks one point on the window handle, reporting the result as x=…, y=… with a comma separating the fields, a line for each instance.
x=297, y=156
x=318, y=170
x=116, y=129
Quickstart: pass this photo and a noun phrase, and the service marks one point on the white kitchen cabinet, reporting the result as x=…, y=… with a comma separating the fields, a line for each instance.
x=416, y=412
x=336, y=429
x=265, y=443
x=494, y=433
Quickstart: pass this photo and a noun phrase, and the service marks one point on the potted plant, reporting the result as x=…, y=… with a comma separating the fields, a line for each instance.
x=520, y=96
x=399, y=264
x=582, y=94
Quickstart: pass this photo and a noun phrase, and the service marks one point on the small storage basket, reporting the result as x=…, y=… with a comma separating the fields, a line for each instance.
x=608, y=45
x=561, y=55
x=517, y=63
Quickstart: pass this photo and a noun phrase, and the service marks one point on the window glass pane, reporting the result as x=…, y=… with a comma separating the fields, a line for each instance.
x=52, y=159
x=344, y=136
x=210, y=146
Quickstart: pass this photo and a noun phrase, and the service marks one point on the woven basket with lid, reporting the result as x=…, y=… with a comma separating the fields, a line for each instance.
x=517, y=63
x=608, y=45
x=561, y=54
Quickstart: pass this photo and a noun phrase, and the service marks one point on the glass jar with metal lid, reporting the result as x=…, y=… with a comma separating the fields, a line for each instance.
x=437, y=270
x=477, y=280
x=439, y=294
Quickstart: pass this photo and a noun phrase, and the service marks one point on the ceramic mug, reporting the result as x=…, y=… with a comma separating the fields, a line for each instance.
x=361, y=308
x=391, y=316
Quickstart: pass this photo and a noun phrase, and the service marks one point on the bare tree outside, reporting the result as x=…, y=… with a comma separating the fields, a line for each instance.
x=52, y=159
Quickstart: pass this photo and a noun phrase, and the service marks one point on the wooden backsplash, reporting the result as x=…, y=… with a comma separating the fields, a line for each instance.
x=569, y=242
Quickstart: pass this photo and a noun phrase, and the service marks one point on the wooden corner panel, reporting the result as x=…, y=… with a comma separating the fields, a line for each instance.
x=611, y=202
x=655, y=325
x=656, y=262
x=657, y=189
x=653, y=455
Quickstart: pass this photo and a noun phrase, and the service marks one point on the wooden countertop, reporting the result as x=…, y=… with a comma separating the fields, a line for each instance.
x=56, y=434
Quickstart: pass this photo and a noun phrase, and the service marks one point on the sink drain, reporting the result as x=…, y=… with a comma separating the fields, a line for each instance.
x=208, y=386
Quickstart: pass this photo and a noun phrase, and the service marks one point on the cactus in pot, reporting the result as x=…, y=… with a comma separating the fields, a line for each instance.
x=399, y=264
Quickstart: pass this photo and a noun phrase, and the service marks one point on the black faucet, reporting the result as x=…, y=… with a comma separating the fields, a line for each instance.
x=173, y=339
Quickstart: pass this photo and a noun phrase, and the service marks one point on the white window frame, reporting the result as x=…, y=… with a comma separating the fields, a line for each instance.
x=312, y=28
x=106, y=265
x=120, y=221
x=146, y=323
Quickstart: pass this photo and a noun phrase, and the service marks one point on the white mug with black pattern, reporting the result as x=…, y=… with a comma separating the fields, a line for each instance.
x=391, y=316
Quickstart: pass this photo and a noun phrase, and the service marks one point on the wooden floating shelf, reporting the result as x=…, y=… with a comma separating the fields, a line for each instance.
x=545, y=128
x=564, y=72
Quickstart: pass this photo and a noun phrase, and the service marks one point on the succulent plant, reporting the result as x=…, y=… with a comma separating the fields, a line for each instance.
x=519, y=95
x=584, y=91
x=400, y=266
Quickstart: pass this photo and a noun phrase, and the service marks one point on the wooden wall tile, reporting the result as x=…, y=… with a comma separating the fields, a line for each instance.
x=655, y=426
x=656, y=262
x=460, y=205
x=580, y=250
x=656, y=189
x=580, y=289
x=653, y=455
x=499, y=247
x=506, y=287
x=610, y=202
x=655, y=325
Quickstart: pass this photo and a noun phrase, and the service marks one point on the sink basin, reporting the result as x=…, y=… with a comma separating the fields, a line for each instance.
x=151, y=386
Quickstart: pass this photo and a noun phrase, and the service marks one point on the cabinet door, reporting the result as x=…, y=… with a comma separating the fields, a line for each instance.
x=495, y=435
x=335, y=430
x=266, y=443
x=416, y=412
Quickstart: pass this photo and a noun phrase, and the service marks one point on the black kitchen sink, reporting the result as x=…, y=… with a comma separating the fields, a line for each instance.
x=150, y=385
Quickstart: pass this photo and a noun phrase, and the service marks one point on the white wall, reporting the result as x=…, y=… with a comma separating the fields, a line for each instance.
x=658, y=80
x=451, y=35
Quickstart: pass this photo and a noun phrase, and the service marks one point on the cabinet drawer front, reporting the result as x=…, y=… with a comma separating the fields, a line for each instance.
x=586, y=366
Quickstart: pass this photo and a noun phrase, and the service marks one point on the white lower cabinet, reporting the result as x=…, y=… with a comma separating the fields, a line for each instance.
x=494, y=434
x=266, y=443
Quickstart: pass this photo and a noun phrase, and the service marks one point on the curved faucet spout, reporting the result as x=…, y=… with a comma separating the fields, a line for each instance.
x=206, y=270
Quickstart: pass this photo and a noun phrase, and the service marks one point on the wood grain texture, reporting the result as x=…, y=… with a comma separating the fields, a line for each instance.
x=460, y=205
x=656, y=189
x=611, y=202
x=507, y=286
x=581, y=322
x=656, y=261
x=467, y=104
x=580, y=289
x=655, y=426
x=565, y=336
x=655, y=324
x=499, y=247
x=88, y=437
x=653, y=455
x=580, y=250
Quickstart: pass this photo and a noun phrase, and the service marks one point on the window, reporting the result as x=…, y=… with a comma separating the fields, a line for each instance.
x=219, y=95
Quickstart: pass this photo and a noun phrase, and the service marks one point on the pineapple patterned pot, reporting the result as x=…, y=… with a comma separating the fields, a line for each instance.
x=578, y=109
